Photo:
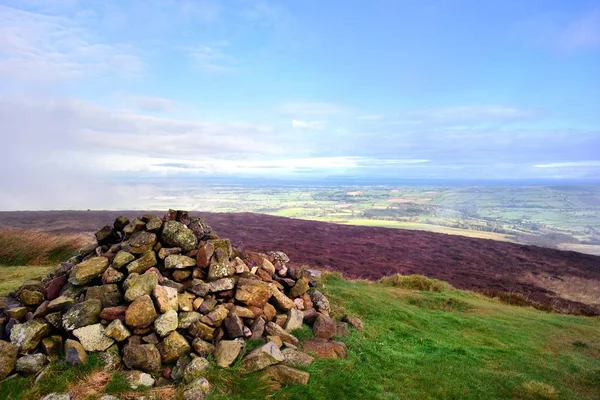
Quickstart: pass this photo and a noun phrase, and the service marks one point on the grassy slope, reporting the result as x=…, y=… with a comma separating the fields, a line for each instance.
x=425, y=345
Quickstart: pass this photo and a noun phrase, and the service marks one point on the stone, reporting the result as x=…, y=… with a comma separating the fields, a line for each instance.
x=283, y=302
x=275, y=330
x=202, y=331
x=221, y=284
x=138, y=379
x=269, y=312
x=54, y=286
x=354, y=322
x=288, y=375
x=140, y=313
x=120, y=223
x=199, y=288
x=216, y=316
x=8, y=358
x=61, y=303
x=140, y=285
x=82, y=314
x=296, y=358
x=257, y=328
x=111, y=275
x=178, y=261
x=109, y=295
x=205, y=253
x=106, y=235
x=88, y=270
x=320, y=301
x=58, y=396
x=275, y=339
x=134, y=226
x=122, y=258
x=197, y=390
x=141, y=242
x=165, y=298
x=200, y=228
x=324, y=349
x=299, y=288
x=226, y=351
x=202, y=347
x=54, y=319
x=152, y=338
x=342, y=329
x=180, y=366
x=92, y=337
x=17, y=313
x=207, y=305
x=112, y=313
x=52, y=348
x=31, y=364
x=181, y=275
x=166, y=323
x=234, y=326
x=252, y=292
x=154, y=224
x=242, y=312
x=142, y=264
x=75, y=353
x=187, y=318
x=167, y=251
x=295, y=319
x=31, y=297
x=111, y=358
x=324, y=327
x=145, y=357
x=262, y=357
x=176, y=234
x=173, y=347
x=195, y=369
x=28, y=335
x=220, y=269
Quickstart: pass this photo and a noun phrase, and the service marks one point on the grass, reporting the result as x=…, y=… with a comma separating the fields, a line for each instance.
x=419, y=344
x=28, y=247
x=13, y=277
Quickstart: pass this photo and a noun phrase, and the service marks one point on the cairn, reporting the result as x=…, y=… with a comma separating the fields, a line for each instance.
x=156, y=297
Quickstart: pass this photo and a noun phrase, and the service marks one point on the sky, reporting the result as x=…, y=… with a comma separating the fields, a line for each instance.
x=98, y=92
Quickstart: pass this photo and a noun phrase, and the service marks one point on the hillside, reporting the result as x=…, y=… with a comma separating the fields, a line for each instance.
x=416, y=345
x=563, y=280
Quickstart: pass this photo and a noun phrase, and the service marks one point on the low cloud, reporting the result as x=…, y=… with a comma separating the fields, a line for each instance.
x=309, y=125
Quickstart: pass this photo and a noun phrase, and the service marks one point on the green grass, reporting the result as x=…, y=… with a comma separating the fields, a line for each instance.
x=28, y=247
x=13, y=277
x=421, y=344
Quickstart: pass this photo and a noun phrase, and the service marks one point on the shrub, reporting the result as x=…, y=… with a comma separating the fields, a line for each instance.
x=415, y=282
x=25, y=247
x=539, y=390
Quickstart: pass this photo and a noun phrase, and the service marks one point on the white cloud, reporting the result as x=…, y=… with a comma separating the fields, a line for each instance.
x=583, y=32
x=309, y=125
x=44, y=48
x=569, y=164
x=148, y=103
x=311, y=109
x=370, y=117
x=212, y=58
x=474, y=113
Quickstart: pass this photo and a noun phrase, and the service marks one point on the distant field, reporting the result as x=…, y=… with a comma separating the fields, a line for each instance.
x=566, y=217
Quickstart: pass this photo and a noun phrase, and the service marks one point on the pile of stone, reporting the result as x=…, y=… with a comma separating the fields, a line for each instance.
x=157, y=296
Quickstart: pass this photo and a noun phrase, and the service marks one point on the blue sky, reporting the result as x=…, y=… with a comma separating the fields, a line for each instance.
x=410, y=89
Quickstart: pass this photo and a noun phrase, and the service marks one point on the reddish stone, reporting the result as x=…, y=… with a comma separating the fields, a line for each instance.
x=112, y=313
x=322, y=348
x=205, y=252
x=54, y=286
x=324, y=327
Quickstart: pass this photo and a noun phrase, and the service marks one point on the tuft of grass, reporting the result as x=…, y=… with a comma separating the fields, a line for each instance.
x=27, y=247
x=415, y=282
x=13, y=277
x=539, y=390
x=117, y=384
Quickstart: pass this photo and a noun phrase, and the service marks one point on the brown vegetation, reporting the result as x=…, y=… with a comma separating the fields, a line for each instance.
x=497, y=268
